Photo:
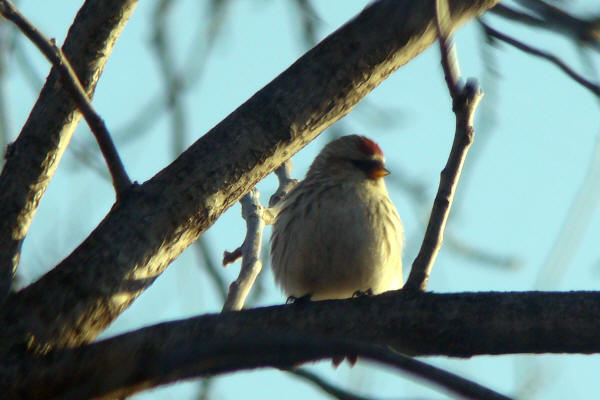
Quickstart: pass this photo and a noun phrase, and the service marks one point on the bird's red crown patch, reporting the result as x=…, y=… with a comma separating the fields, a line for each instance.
x=369, y=147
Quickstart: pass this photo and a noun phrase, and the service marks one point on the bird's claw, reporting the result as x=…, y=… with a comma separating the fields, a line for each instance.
x=298, y=300
x=360, y=293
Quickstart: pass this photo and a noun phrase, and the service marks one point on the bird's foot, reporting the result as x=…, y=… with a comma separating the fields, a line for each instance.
x=298, y=300
x=337, y=360
x=360, y=293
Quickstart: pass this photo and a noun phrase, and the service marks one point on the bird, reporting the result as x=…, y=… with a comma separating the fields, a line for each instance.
x=337, y=234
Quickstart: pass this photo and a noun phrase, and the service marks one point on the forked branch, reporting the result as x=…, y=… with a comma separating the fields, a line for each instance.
x=53, y=53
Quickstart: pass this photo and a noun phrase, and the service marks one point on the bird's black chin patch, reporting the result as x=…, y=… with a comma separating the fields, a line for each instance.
x=373, y=168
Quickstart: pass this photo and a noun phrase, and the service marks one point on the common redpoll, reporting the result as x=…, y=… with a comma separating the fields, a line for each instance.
x=338, y=233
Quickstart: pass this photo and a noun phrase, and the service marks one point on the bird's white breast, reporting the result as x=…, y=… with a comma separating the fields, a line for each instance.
x=337, y=240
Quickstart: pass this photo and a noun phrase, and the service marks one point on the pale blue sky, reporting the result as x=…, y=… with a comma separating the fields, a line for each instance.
x=531, y=159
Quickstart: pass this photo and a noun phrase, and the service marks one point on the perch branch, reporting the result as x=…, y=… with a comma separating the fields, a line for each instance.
x=121, y=181
x=108, y=369
x=465, y=99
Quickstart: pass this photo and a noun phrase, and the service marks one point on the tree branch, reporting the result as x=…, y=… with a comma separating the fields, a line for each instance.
x=526, y=322
x=119, y=374
x=465, y=99
x=34, y=156
x=156, y=221
x=252, y=211
x=592, y=87
x=256, y=217
x=582, y=30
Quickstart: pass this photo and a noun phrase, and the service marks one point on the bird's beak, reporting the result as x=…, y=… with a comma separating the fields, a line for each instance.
x=378, y=172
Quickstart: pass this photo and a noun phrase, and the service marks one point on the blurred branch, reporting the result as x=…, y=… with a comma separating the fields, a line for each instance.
x=594, y=88
x=586, y=31
x=205, y=389
x=5, y=50
x=88, y=157
x=211, y=268
x=32, y=77
x=583, y=31
x=309, y=20
x=71, y=82
x=198, y=55
x=327, y=387
x=465, y=99
x=165, y=59
x=180, y=82
x=480, y=255
x=577, y=221
x=505, y=11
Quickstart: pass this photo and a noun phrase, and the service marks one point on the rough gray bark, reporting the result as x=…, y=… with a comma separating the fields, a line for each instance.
x=32, y=159
x=156, y=221
x=459, y=324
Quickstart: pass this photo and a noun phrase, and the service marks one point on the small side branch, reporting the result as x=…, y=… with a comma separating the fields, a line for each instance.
x=252, y=212
x=286, y=183
x=591, y=86
x=71, y=83
x=256, y=217
x=465, y=99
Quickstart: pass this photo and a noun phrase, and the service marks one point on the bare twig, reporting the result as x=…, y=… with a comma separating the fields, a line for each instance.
x=593, y=87
x=447, y=47
x=465, y=99
x=252, y=212
x=231, y=256
x=72, y=84
x=256, y=217
x=286, y=183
